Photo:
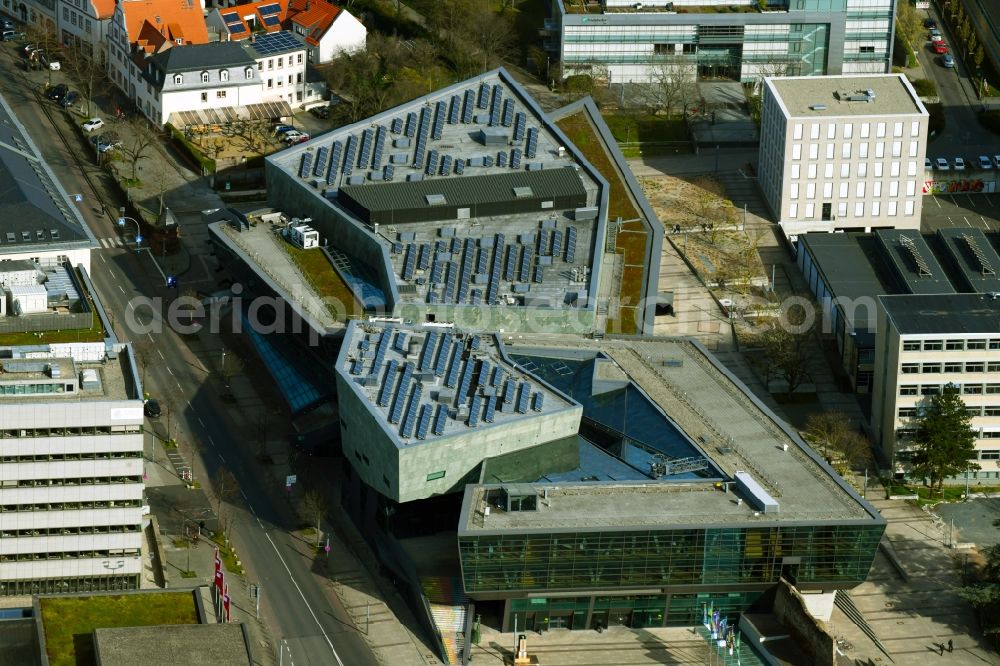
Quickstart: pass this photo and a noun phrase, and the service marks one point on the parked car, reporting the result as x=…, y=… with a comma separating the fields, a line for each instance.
x=151, y=408
x=57, y=92
x=959, y=164
x=928, y=165
x=930, y=23
x=996, y=161
x=93, y=124
x=70, y=99
x=322, y=112
x=934, y=33
x=294, y=137
x=942, y=164
x=8, y=35
x=985, y=163
x=947, y=61
x=282, y=129
x=939, y=47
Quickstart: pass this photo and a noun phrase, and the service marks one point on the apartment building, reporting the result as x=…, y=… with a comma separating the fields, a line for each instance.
x=924, y=342
x=71, y=442
x=741, y=40
x=842, y=152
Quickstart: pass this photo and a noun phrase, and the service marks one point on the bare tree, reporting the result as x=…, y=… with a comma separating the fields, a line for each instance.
x=88, y=72
x=787, y=349
x=136, y=143
x=253, y=137
x=143, y=349
x=44, y=37
x=226, y=488
x=673, y=85
x=312, y=508
x=839, y=440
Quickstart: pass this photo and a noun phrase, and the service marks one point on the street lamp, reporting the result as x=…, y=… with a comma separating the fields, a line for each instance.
x=138, y=232
x=113, y=567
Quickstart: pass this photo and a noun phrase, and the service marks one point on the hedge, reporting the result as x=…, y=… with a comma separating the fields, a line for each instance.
x=207, y=164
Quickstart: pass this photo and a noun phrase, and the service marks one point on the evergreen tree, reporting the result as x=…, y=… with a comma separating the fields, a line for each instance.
x=945, y=438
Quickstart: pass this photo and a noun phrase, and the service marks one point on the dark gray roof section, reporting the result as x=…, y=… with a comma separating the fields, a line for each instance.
x=913, y=261
x=846, y=265
x=36, y=211
x=944, y=314
x=202, y=56
x=972, y=257
x=466, y=190
x=218, y=645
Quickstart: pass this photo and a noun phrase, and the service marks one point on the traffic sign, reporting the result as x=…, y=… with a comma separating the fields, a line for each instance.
x=77, y=198
x=291, y=479
x=121, y=221
x=138, y=239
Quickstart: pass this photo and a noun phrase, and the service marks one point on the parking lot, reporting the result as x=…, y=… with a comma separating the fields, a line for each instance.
x=981, y=211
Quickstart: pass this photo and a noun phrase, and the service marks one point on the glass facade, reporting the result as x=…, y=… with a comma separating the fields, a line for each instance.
x=835, y=555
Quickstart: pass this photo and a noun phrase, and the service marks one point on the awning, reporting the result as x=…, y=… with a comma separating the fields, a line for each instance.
x=228, y=114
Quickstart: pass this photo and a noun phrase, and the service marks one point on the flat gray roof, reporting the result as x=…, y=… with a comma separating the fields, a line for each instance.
x=405, y=374
x=972, y=254
x=217, y=645
x=36, y=211
x=913, y=262
x=800, y=95
x=735, y=430
x=944, y=314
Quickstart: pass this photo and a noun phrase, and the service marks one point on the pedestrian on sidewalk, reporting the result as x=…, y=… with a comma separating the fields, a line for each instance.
x=951, y=647
x=941, y=648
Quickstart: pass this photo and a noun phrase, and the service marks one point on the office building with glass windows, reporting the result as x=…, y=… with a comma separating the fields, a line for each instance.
x=741, y=40
x=842, y=153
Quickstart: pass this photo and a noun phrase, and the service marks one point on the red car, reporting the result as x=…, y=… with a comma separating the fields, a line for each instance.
x=940, y=47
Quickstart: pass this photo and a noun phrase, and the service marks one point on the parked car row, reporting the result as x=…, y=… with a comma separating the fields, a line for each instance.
x=289, y=135
x=983, y=163
x=61, y=94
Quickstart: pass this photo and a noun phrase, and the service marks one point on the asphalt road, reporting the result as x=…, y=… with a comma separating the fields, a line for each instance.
x=316, y=629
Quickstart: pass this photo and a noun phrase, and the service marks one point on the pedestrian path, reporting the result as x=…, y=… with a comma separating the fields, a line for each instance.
x=108, y=243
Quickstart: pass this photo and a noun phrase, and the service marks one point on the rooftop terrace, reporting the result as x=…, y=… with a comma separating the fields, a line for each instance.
x=428, y=382
x=734, y=430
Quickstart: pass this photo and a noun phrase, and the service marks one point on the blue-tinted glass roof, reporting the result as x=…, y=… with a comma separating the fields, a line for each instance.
x=295, y=375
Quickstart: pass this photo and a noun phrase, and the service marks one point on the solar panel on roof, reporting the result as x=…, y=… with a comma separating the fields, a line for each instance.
x=397, y=125
x=387, y=381
x=440, y=419
x=482, y=260
x=424, y=421
x=411, y=124
x=380, y=134
x=543, y=243
x=484, y=373
x=401, y=390
x=508, y=271
x=491, y=406
x=425, y=122
x=556, y=242
x=399, y=343
x=515, y=158
x=468, y=106
x=459, y=167
x=455, y=109
x=536, y=401
x=427, y=356
x=432, y=162
x=502, y=158
x=532, y=144
x=271, y=20
x=474, y=343
x=388, y=172
x=232, y=18
x=477, y=404
x=445, y=165
x=410, y=262
x=526, y=258
x=487, y=160
x=522, y=398
x=336, y=152
x=476, y=297
x=442, y=355
x=236, y=28
x=456, y=365
x=496, y=105
x=520, y=120
x=366, y=146
x=538, y=277
x=451, y=281
x=383, y=346
x=352, y=147
x=436, y=270
x=508, y=112
x=305, y=164
x=440, y=111
x=276, y=42
x=321, y=154
x=508, y=391
x=570, y=244
x=456, y=245
x=364, y=344
x=424, y=259
x=270, y=9
x=463, y=389
x=484, y=95
x=410, y=420
x=432, y=297
x=356, y=367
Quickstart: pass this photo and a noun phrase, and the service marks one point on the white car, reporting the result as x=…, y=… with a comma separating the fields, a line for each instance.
x=93, y=124
x=55, y=66
x=996, y=161
x=928, y=165
x=984, y=163
x=959, y=164
x=942, y=164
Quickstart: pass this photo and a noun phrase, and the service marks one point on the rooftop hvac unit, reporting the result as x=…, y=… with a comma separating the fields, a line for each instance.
x=55, y=371
x=89, y=379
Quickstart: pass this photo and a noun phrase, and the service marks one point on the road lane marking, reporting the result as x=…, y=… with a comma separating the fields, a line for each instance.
x=221, y=457
x=985, y=223
x=160, y=352
x=211, y=441
x=936, y=200
x=122, y=290
x=971, y=201
x=963, y=217
x=172, y=372
x=102, y=258
x=112, y=274
x=150, y=336
x=201, y=422
x=299, y=590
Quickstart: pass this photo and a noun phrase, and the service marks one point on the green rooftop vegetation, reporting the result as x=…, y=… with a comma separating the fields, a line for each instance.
x=70, y=622
x=94, y=333
x=633, y=238
x=326, y=281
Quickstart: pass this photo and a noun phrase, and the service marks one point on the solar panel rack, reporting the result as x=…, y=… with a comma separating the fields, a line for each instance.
x=455, y=109
x=380, y=135
x=536, y=401
x=320, y=165
x=520, y=120
x=532, y=144
x=508, y=271
x=411, y=124
x=463, y=389
x=336, y=153
x=477, y=404
x=456, y=365
x=474, y=343
x=432, y=162
x=424, y=422
x=387, y=382
x=556, y=242
x=491, y=406
x=459, y=167
x=440, y=111
x=410, y=419
x=522, y=398
x=484, y=374
x=397, y=125
x=526, y=258
x=436, y=270
x=508, y=112
x=410, y=262
x=451, y=282
x=515, y=158
x=502, y=158
x=305, y=164
x=388, y=172
x=383, y=346
x=484, y=95
x=468, y=106
x=356, y=367
x=427, y=357
x=399, y=343
x=494, y=284
x=424, y=258
x=508, y=391
x=570, y=244
x=497, y=376
x=543, y=243
x=467, y=259
x=364, y=344
x=482, y=259
x=440, y=419
x=366, y=146
x=401, y=390
x=476, y=297
x=538, y=276
x=445, y=165
x=352, y=147
x=442, y=355
x=495, y=106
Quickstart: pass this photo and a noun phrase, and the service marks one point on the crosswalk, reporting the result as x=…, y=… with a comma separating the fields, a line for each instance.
x=108, y=243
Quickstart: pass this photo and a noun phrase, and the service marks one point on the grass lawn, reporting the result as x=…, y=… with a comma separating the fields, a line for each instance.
x=226, y=554
x=69, y=622
x=632, y=244
x=644, y=128
x=322, y=277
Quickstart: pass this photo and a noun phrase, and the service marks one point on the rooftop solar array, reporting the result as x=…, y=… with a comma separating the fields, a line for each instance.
x=271, y=20
x=413, y=398
x=277, y=42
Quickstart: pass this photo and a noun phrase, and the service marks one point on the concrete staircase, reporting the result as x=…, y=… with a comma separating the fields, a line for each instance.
x=449, y=608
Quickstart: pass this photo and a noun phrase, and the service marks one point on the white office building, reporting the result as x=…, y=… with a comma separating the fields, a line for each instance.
x=842, y=152
x=924, y=342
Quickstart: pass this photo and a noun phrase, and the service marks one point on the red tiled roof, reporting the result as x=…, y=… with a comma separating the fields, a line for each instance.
x=103, y=8
x=253, y=7
x=315, y=16
x=158, y=21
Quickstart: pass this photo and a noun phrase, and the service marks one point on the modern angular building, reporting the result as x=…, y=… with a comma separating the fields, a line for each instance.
x=71, y=437
x=741, y=40
x=923, y=343
x=842, y=153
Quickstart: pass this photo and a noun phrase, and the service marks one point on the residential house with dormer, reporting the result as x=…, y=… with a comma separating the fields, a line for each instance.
x=327, y=29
